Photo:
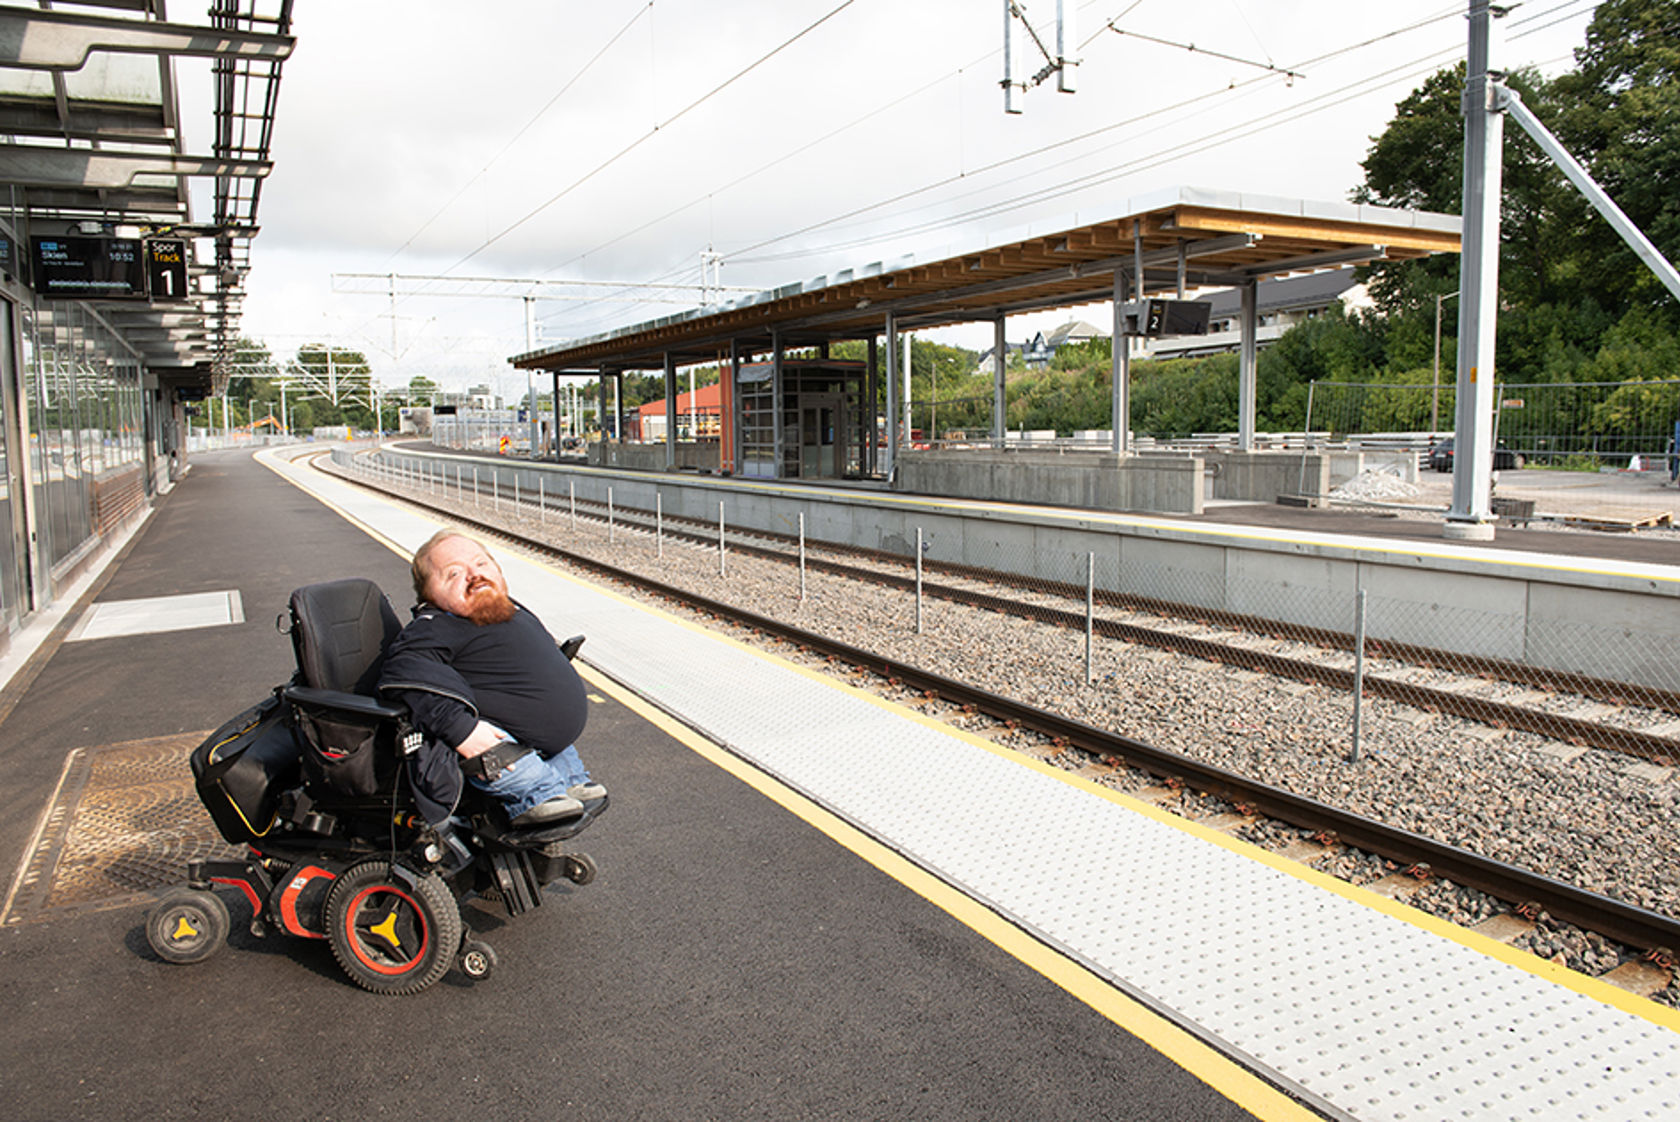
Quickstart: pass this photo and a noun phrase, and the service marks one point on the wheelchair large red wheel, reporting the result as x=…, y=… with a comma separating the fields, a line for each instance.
x=394, y=933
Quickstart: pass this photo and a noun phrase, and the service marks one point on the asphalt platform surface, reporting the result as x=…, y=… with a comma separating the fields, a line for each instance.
x=729, y=962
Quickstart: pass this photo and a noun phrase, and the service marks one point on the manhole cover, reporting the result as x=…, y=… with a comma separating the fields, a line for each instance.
x=124, y=821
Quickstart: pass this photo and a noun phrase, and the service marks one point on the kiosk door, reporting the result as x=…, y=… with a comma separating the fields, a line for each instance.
x=822, y=421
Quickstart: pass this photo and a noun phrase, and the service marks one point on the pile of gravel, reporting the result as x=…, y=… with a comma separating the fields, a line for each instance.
x=1376, y=485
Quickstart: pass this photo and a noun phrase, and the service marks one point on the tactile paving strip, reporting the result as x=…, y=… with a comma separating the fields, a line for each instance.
x=125, y=821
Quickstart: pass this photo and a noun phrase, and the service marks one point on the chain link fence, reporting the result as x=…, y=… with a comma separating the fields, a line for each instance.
x=1600, y=454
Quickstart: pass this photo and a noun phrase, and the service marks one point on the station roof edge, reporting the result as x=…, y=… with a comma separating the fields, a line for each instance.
x=1223, y=236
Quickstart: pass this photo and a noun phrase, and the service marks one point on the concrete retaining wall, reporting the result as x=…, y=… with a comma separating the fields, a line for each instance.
x=1163, y=484
x=651, y=457
x=1261, y=476
x=1607, y=619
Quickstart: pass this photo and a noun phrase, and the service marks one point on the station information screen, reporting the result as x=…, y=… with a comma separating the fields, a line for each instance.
x=89, y=268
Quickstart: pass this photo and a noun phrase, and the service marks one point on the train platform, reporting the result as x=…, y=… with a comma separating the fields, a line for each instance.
x=849, y=910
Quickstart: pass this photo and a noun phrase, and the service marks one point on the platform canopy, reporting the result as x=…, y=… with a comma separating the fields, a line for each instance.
x=93, y=145
x=1174, y=240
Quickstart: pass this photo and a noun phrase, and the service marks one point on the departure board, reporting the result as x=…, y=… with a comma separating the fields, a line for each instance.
x=89, y=268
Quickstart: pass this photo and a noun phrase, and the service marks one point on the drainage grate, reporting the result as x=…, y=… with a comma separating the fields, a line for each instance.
x=125, y=821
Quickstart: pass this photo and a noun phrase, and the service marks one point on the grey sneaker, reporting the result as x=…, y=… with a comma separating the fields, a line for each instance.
x=560, y=806
x=585, y=792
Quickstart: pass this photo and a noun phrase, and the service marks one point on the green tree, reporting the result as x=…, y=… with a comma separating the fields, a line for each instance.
x=1618, y=112
x=419, y=390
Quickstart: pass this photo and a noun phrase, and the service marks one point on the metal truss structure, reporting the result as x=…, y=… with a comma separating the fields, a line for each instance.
x=90, y=111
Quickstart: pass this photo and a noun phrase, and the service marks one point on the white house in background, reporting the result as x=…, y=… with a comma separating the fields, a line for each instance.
x=1041, y=348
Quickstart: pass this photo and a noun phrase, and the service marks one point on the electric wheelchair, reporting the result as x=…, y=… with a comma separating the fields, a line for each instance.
x=317, y=782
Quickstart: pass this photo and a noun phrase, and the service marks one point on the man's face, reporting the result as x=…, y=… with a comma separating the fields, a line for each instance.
x=466, y=581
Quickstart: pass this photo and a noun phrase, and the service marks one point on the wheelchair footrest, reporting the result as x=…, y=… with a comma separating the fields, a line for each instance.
x=516, y=881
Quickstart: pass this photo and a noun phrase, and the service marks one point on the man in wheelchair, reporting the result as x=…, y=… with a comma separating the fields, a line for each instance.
x=481, y=674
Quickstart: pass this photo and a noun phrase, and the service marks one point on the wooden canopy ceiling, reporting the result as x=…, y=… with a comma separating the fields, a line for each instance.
x=1194, y=238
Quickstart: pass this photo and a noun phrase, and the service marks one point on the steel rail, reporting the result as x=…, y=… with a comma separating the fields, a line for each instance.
x=1616, y=919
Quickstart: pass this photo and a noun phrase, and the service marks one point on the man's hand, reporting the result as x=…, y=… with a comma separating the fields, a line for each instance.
x=484, y=737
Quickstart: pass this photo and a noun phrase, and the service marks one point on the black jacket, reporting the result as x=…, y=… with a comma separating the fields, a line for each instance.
x=451, y=673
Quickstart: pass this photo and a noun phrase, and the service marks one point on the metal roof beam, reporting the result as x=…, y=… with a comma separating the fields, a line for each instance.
x=87, y=120
x=45, y=39
x=1356, y=255
x=1101, y=272
x=33, y=166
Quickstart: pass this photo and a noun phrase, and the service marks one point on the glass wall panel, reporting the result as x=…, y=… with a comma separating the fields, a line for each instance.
x=13, y=537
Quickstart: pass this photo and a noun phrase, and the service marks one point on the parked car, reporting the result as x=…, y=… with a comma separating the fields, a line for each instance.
x=1441, y=457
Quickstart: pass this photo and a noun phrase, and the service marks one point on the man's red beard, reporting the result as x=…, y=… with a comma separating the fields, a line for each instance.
x=489, y=604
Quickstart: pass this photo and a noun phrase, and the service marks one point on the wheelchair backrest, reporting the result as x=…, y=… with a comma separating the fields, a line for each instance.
x=340, y=630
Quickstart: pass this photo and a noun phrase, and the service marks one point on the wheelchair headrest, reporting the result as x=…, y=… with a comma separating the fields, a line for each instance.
x=340, y=630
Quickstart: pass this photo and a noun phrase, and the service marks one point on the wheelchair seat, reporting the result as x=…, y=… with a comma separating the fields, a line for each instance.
x=340, y=631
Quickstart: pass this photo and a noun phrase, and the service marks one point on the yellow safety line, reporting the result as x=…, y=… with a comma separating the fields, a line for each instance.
x=1201, y=1060
x=1552, y=972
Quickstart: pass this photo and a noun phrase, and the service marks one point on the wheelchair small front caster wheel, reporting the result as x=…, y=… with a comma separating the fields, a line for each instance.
x=580, y=868
x=477, y=961
x=188, y=925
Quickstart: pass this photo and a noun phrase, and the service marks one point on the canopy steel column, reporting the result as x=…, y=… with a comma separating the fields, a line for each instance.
x=871, y=410
x=1000, y=419
x=909, y=371
x=776, y=403
x=601, y=407
x=670, y=413
x=1484, y=125
x=731, y=407
x=554, y=403
x=890, y=463
x=1248, y=365
x=1120, y=371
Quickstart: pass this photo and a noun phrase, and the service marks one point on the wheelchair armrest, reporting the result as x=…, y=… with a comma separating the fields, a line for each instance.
x=353, y=703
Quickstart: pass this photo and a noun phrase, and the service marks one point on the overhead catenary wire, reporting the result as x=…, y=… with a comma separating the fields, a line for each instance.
x=1544, y=17
x=654, y=131
x=1318, y=103
x=1327, y=100
x=526, y=127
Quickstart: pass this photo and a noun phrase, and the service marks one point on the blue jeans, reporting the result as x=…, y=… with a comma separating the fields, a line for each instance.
x=534, y=778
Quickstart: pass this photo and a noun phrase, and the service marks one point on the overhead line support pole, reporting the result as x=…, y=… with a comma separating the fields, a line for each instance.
x=1484, y=124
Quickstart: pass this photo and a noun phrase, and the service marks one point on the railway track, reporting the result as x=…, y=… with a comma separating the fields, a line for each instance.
x=1416, y=858
x=1233, y=639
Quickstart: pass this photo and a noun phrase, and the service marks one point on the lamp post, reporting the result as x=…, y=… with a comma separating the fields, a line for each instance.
x=1435, y=398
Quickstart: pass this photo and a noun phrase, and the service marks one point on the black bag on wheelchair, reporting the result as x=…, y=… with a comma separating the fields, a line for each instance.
x=243, y=768
x=346, y=754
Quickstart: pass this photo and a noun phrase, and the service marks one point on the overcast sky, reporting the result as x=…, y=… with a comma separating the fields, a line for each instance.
x=622, y=139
